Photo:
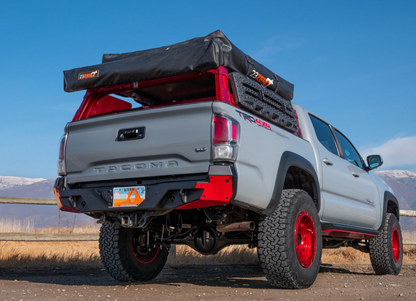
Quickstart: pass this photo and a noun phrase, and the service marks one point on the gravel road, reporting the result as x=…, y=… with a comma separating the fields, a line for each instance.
x=205, y=282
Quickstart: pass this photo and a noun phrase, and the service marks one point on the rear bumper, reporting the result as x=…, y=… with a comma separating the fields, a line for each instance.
x=217, y=189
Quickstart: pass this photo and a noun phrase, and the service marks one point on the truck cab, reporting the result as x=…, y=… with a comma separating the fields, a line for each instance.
x=348, y=187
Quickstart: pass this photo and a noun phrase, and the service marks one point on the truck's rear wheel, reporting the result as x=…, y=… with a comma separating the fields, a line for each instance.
x=386, y=250
x=124, y=258
x=290, y=241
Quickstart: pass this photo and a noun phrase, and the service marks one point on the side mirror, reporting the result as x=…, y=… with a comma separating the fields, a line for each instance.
x=374, y=161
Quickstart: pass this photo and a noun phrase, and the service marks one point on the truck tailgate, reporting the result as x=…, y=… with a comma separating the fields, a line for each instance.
x=171, y=135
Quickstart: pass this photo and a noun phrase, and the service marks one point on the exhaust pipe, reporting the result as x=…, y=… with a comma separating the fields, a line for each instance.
x=237, y=227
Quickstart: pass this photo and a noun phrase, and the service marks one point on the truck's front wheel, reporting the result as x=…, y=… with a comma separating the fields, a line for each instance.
x=290, y=241
x=123, y=256
x=386, y=250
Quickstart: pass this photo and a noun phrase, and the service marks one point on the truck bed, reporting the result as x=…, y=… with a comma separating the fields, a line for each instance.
x=170, y=137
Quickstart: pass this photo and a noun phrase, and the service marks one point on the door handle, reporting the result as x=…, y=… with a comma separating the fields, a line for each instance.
x=327, y=162
x=355, y=175
x=369, y=201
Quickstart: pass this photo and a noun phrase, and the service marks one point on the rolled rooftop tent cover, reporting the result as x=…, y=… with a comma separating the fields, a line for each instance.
x=196, y=55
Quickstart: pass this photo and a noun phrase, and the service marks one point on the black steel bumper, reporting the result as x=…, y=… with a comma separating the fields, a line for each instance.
x=160, y=196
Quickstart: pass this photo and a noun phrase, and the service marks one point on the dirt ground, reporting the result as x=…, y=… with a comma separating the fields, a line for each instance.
x=204, y=282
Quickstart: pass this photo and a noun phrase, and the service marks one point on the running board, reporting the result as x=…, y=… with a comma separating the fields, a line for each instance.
x=346, y=231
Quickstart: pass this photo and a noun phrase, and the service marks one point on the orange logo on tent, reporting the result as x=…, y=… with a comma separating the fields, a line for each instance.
x=261, y=79
x=88, y=74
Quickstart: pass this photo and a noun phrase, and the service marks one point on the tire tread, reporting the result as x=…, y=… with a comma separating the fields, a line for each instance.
x=273, y=250
x=380, y=251
x=110, y=252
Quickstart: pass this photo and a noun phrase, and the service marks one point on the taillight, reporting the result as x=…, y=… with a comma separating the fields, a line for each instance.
x=225, y=138
x=61, y=156
x=221, y=129
x=234, y=131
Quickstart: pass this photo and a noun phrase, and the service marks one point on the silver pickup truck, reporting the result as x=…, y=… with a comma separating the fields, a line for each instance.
x=202, y=168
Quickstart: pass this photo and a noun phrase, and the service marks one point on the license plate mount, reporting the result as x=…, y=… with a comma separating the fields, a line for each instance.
x=128, y=196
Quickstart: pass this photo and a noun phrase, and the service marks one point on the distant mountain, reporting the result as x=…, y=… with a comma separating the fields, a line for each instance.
x=403, y=184
x=9, y=182
x=26, y=188
x=42, y=215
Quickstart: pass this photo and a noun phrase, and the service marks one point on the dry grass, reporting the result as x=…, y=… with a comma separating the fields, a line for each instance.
x=49, y=254
x=8, y=225
x=85, y=228
x=231, y=254
x=86, y=254
x=242, y=254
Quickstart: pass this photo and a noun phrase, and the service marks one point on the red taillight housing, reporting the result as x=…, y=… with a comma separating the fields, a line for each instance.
x=61, y=156
x=234, y=131
x=226, y=136
x=221, y=129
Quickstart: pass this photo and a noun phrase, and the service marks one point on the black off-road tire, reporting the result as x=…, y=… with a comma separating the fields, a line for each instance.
x=276, y=242
x=381, y=251
x=119, y=260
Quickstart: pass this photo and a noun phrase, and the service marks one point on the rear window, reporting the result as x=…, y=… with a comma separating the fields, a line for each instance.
x=350, y=152
x=173, y=92
x=324, y=135
x=152, y=94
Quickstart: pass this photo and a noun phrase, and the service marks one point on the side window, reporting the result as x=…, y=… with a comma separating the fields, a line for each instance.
x=324, y=135
x=352, y=155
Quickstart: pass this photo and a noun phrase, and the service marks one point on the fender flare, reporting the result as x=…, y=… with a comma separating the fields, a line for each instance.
x=389, y=197
x=288, y=160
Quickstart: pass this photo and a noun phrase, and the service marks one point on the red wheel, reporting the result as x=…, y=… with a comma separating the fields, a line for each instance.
x=305, y=239
x=142, y=255
x=395, y=244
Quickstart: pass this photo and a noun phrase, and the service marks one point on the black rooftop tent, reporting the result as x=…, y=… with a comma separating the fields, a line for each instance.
x=195, y=55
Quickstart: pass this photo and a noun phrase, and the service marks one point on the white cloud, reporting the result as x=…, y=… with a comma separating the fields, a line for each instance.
x=270, y=48
x=396, y=152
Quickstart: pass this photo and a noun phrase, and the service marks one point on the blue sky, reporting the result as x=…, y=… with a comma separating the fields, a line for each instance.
x=352, y=62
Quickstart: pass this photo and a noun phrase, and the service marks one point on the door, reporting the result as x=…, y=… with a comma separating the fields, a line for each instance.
x=363, y=192
x=335, y=179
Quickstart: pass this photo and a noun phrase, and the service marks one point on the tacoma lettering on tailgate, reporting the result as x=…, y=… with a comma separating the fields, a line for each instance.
x=136, y=166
